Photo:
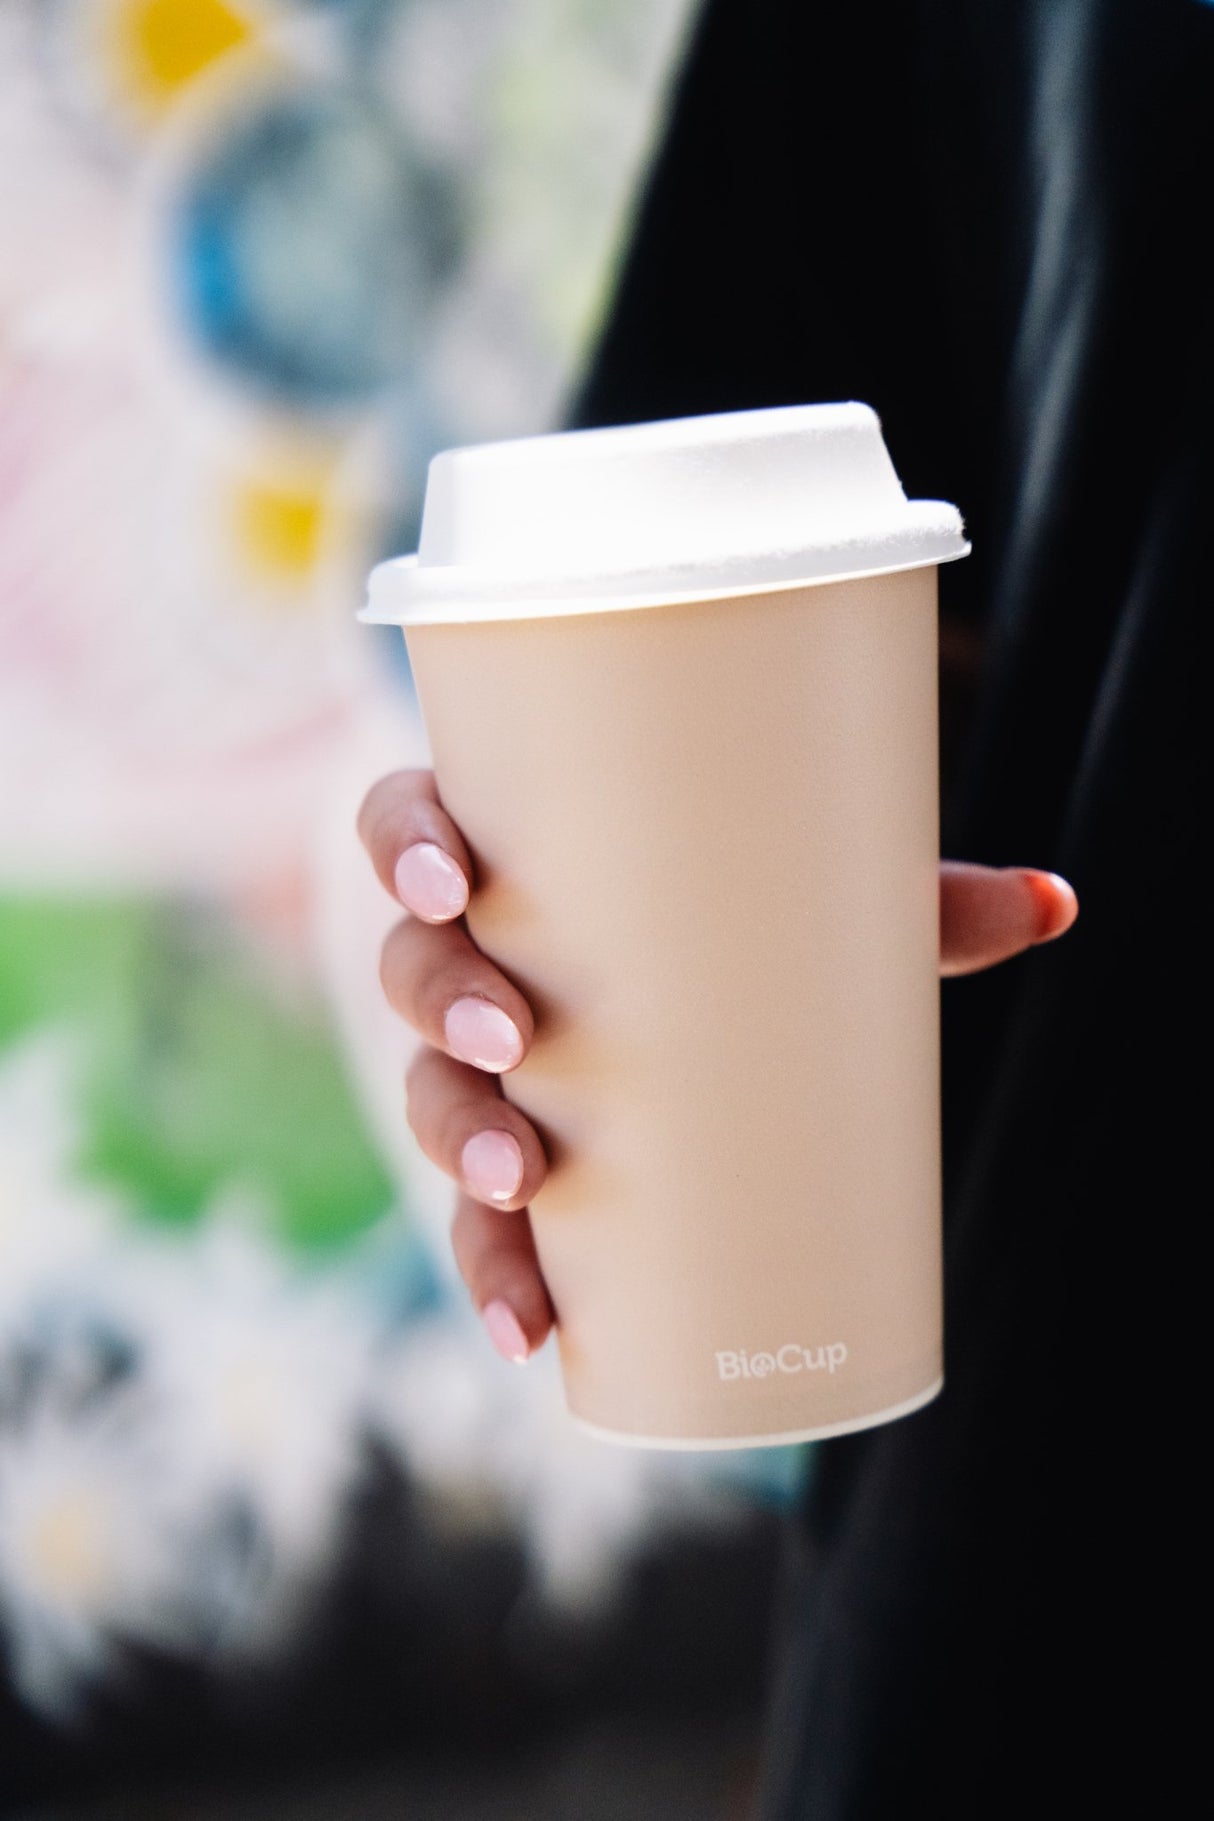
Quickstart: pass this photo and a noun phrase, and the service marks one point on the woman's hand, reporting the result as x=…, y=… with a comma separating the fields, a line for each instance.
x=477, y=1026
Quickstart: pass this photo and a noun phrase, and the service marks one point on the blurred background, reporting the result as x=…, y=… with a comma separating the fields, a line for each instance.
x=280, y=1535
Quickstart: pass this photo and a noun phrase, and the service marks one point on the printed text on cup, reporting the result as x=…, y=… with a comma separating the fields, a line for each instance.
x=787, y=1359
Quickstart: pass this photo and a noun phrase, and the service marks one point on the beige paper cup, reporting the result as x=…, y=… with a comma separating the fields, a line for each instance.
x=704, y=826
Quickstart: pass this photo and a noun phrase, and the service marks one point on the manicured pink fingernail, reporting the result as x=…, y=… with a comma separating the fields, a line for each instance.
x=429, y=883
x=1057, y=905
x=479, y=1031
x=502, y=1325
x=492, y=1164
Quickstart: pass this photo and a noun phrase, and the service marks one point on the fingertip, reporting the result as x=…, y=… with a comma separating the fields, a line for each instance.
x=495, y=1253
x=1055, y=903
x=493, y=1166
x=430, y=883
x=506, y=1332
x=479, y=1032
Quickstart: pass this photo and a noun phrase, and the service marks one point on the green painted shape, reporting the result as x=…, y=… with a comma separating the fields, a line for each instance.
x=203, y=1072
x=63, y=960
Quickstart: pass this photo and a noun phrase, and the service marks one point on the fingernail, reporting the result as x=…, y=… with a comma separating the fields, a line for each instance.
x=1057, y=905
x=429, y=883
x=502, y=1325
x=479, y=1031
x=492, y=1164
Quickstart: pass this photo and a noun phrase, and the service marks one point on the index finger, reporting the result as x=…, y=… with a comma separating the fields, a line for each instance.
x=402, y=813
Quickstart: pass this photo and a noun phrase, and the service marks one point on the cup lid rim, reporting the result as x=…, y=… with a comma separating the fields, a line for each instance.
x=402, y=591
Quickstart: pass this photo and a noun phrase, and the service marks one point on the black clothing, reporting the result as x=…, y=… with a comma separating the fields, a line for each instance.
x=988, y=220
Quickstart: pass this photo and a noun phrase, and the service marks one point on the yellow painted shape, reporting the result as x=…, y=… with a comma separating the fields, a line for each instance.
x=278, y=527
x=165, y=44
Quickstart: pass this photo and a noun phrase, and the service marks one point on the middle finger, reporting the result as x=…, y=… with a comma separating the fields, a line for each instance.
x=439, y=981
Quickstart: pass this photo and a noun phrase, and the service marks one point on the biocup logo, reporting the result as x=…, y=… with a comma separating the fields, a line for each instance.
x=788, y=1360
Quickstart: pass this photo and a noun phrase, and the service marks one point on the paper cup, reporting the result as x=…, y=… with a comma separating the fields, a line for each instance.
x=697, y=775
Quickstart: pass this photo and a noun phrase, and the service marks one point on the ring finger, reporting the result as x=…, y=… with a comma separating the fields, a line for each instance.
x=466, y=1126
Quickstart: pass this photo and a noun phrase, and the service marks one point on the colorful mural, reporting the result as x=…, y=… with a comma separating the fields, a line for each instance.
x=260, y=260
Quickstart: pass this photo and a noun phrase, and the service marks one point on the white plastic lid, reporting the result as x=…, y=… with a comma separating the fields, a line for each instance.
x=689, y=508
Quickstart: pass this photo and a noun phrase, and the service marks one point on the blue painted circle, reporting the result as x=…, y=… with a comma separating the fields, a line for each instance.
x=306, y=249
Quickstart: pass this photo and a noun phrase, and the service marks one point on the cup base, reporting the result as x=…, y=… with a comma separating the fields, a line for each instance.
x=820, y=1433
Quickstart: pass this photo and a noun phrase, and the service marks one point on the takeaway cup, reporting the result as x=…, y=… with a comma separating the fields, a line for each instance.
x=679, y=685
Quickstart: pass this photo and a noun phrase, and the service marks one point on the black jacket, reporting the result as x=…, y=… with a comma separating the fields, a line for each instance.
x=989, y=219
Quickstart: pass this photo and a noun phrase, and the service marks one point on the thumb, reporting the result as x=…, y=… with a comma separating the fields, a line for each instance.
x=989, y=913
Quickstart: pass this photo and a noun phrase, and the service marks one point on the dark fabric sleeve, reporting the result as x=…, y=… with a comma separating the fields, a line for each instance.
x=991, y=221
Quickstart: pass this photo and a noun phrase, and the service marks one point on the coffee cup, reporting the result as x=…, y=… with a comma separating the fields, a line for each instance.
x=679, y=685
